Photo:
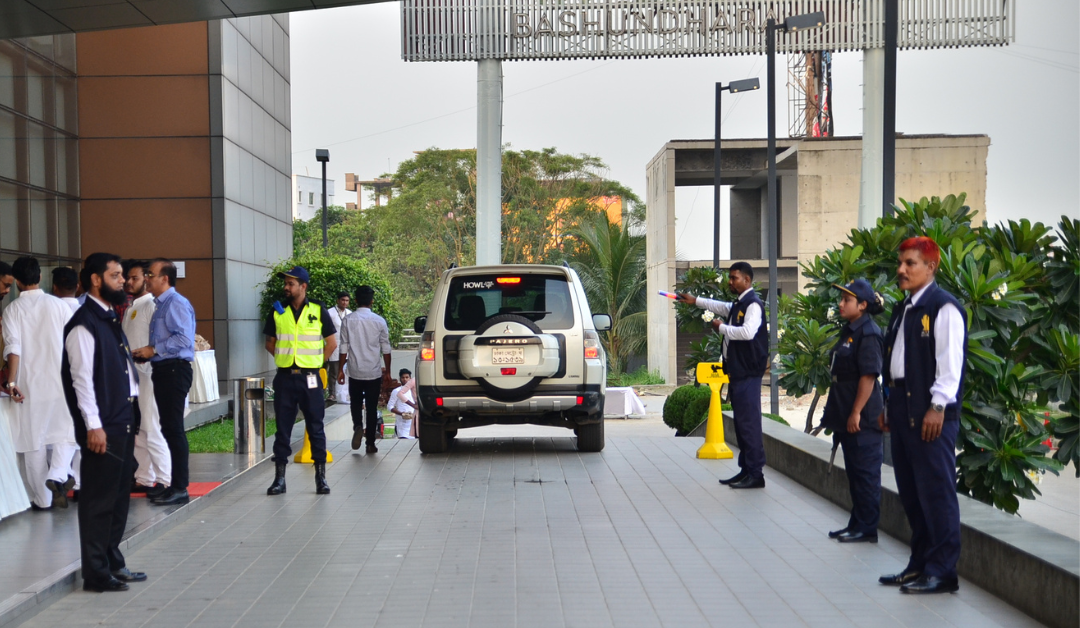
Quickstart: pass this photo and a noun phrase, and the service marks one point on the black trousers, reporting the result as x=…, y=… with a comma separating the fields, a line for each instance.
x=172, y=381
x=926, y=483
x=104, y=497
x=745, y=397
x=365, y=393
x=862, y=459
x=291, y=394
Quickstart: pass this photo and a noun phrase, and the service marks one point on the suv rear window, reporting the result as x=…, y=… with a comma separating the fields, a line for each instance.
x=543, y=299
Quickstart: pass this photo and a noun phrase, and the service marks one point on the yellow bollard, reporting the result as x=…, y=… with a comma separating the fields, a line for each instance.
x=712, y=373
x=304, y=455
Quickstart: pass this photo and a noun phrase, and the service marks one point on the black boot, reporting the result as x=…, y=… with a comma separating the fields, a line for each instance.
x=321, y=487
x=278, y=487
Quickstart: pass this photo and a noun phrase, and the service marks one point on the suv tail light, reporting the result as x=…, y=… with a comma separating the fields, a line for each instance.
x=592, y=345
x=427, y=347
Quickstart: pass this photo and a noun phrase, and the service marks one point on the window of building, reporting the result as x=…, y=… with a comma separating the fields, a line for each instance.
x=300, y=196
x=311, y=198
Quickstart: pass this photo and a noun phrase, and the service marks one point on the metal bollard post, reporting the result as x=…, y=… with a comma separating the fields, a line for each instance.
x=250, y=415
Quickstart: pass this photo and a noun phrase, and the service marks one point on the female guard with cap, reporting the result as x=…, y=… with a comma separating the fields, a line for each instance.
x=854, y=405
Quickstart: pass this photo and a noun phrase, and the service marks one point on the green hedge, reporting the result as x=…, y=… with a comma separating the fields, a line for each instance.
x=686, y=407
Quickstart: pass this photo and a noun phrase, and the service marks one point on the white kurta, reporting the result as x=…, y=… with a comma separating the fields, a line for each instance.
x=34, y=330
x=151, y=449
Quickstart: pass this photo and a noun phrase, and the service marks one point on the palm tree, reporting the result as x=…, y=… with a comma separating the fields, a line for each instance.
x=612, y=270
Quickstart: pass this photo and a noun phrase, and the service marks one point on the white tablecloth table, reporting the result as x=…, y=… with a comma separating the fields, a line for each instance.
x=622, y=402
x=204, y=380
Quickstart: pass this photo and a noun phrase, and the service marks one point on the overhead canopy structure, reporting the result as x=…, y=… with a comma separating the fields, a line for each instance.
x=29, y=18
x=471, y=30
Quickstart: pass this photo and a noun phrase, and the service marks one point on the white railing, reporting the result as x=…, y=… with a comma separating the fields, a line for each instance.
x=468, y=30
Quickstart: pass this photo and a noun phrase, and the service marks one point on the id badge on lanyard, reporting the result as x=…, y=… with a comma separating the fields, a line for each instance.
x=312, y=381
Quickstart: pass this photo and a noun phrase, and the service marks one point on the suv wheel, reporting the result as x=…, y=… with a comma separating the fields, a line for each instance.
x=497, y=388
x=590, y=438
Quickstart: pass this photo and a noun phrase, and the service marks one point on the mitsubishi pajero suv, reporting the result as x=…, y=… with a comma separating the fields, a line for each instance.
x=510, y=345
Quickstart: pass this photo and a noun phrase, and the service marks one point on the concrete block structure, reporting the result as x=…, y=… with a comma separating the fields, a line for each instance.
x=817, y=201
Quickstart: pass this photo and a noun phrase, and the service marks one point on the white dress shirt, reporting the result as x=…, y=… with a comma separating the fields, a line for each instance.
x=365, y=339
x=948, y=350
x=751, y=322
x=80, y=346
x=337, y=316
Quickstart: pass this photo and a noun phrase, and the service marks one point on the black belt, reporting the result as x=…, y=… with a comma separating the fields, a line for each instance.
x=896, y=383
x=168, y=361
x=294, y=371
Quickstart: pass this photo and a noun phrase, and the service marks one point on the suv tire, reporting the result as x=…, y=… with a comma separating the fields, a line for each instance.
x=590, y=438
x=509, y=394
x=433, y=438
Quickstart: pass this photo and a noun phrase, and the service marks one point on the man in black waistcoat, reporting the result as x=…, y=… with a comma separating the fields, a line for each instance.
x=925, y=352
x=101, y=387
x=746, y=356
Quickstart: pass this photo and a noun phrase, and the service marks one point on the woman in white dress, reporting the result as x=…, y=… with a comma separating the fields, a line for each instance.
x=13, y=497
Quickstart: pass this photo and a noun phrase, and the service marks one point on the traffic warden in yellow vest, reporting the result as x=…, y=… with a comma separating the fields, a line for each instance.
x=300, y=336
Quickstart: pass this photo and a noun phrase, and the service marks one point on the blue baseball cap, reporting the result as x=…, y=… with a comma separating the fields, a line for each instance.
x=860, y=289
x=298, y=273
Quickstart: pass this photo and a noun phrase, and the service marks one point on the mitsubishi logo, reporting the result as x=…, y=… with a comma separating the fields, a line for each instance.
x=507, y=330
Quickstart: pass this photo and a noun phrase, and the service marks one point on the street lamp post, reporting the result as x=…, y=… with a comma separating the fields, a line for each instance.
x=734, y=87
x=322, y=155
x=791, y=24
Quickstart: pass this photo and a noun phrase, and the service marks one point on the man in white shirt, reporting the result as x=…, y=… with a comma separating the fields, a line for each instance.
x=154, y=472
x=33, y=344
x=746, y=358
x=401, y=405
x=925, y=351
x=100, y=389
x=333, y=364
x=365, y=343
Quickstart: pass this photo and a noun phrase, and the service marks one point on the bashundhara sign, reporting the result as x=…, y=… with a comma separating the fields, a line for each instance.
x=463, y=30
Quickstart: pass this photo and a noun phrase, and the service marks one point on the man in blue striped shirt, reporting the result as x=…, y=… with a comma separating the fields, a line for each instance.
x=170, y=353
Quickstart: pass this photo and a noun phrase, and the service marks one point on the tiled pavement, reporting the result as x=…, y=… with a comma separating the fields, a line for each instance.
x=520, y=532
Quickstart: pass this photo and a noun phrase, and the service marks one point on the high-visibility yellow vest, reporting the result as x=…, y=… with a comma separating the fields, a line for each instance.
x=299, y=342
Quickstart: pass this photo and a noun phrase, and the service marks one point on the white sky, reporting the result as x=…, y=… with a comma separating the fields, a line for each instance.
x=352, y=94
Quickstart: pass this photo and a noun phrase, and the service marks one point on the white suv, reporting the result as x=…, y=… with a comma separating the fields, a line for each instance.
x=509, y=345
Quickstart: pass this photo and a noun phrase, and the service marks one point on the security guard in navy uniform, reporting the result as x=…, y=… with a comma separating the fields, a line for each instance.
x=746, y=358
x=853, y=408
x=301, y=337
x=925, y=352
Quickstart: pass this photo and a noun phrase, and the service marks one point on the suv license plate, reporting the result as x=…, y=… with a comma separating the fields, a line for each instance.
x=508, y=355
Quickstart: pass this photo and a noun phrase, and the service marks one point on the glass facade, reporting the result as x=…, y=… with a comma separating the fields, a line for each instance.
x=39, y=151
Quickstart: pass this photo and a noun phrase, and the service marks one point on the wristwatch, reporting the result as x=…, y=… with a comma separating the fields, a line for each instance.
x=937, y=407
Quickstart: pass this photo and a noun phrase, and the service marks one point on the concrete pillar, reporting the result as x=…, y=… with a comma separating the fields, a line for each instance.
x=870, y=188
x=489, y=102
x=746, y=220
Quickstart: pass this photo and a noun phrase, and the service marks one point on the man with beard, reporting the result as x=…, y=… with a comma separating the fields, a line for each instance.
x=171, y=350
x=154, y=472
x=100, y=387
x=300, y=335
x=33, y=345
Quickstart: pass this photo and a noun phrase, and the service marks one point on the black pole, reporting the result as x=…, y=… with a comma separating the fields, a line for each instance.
x=716, y=184
x=325, y=242
x=888, y=147
x=770, y=51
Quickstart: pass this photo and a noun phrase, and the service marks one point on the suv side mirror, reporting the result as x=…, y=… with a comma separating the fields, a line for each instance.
x=419, y=324
x=602, y=322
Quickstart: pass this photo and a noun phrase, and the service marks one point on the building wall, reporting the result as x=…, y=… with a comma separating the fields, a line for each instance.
x=307, y=196
x=39, y=151
x=249, y=87
x=660, y=256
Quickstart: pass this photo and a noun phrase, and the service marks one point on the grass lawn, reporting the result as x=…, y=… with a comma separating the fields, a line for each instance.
x=217, y=437
x=640, y=377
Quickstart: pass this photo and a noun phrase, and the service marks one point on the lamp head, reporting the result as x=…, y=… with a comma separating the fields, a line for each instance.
x=803, y=22
x=744, y=85
x=321, y=154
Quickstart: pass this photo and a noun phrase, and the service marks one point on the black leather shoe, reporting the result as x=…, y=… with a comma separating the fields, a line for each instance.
x=172, y=497
x=857, y=537
x=127, y=575
x=37, y=508
x=932, y=584
x=371, y=448
x=137, y=488
x=357, y=438
x=835, y=533
x=104, y=586
x=59, y=493
x=749, y=482
x=156, y=491
x=904, y=577
x=321, y=487
x=277, y=487
x=735, y=478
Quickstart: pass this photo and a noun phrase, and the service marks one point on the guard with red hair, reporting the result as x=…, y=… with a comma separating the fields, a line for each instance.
x=925, y=351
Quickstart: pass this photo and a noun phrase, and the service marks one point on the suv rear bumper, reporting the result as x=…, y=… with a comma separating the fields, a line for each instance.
x=542, y=406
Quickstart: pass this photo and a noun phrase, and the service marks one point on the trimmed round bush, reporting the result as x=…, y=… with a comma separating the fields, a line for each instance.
x=678, y=411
